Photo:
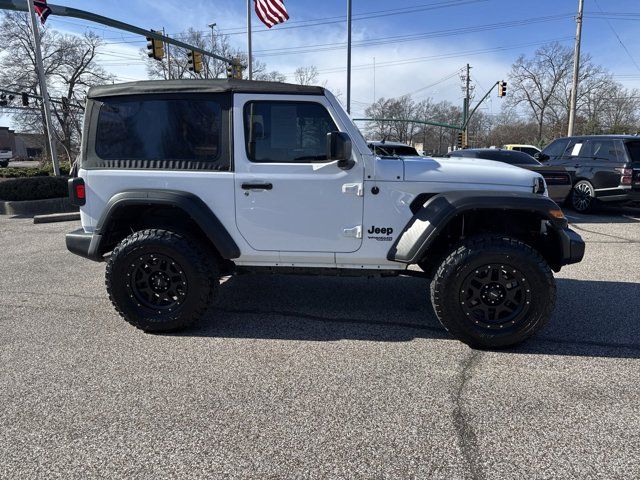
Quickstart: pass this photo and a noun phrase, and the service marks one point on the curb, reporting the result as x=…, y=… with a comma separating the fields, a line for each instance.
x=57, y=217
x=37, y=207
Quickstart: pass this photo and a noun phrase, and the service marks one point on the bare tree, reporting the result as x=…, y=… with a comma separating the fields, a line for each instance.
x=306, y=75
x=71, y=67
x=535, y=81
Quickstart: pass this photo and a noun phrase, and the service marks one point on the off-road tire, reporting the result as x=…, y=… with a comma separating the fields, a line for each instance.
x=583, y=197
x=452, y=299
x=189, y=265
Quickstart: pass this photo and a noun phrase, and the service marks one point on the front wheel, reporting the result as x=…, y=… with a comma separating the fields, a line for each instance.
x=493, y=292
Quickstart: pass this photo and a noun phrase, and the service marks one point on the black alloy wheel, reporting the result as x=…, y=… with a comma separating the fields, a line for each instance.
x=495, y=296
x=157, y=282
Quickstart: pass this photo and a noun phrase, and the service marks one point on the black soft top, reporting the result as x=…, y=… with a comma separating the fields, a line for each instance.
x=201, y=86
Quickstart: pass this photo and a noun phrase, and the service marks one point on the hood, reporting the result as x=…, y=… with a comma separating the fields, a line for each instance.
x=466, y=170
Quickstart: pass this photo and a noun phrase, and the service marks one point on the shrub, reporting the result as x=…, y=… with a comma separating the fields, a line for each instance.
x=43, y=170
x=34, y=188
x=15, y=172
x=65, y=167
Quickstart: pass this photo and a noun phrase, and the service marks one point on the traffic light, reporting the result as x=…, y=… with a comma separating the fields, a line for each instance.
x=25, y=99
x=460, y=143
x=239, y=71
x=195, y=61
x=234, y=70
x=155, y=48
x=502, y=88
x=5, y=100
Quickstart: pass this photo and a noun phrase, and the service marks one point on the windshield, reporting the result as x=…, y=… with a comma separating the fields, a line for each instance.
x=529, y=150
x=395, y=151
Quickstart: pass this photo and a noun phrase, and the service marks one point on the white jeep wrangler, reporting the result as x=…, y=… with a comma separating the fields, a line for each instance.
x=183, y=182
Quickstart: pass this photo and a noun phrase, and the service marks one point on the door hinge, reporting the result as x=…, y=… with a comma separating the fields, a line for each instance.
x=356, y=188
x=355, y=232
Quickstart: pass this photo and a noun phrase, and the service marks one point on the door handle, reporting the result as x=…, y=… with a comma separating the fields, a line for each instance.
x=257, y=186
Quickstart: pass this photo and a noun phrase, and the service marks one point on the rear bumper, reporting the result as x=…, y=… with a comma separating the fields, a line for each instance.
x=84, y=244
x=572, y=246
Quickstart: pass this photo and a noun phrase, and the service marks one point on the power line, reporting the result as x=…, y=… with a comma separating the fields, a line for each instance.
x=619, y=39
x=356, y=17
x=409, y=38
x=443, y=56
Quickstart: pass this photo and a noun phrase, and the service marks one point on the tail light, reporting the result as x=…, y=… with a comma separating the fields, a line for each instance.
x=626, y=175
x=77, y=192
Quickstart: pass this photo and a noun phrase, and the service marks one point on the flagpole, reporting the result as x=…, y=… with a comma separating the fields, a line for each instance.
x=349, y=56
x=250, y=54
x=43, y=88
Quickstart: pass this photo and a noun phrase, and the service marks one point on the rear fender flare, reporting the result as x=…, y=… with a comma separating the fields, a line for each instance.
x=191, y=204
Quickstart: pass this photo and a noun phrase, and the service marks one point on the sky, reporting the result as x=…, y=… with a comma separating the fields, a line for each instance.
x=417, y=46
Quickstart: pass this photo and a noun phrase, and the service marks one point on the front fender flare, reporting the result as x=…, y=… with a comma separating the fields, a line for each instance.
x=438, y=211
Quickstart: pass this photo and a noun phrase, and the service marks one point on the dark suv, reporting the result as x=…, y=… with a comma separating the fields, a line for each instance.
x=604, y=168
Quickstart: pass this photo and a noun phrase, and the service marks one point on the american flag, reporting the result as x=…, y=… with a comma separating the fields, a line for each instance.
x=42, y=9
x=271, y=12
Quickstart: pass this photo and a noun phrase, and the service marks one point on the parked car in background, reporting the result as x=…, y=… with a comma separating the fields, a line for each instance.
x=5, y=156
x=557, y=178
x=393, y=149
x=528, y=149
x=603, y=168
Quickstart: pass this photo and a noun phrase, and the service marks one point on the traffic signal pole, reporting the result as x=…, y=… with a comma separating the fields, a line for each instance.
x=465, y=126
x=60, y=11
x=43, y=88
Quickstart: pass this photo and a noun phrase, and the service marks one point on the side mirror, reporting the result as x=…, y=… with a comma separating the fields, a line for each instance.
x=541, y=157
x=339, y=148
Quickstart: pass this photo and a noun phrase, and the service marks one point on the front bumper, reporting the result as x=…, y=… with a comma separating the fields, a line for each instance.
x=573, y=246
x=84, y=244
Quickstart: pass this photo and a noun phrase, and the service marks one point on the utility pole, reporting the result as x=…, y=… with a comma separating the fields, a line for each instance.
x=250, y=51
x=349, y=56
x=576, y=70
x=465, y=109
x=43, y=89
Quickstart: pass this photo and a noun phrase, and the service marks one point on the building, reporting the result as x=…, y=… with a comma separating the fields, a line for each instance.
x=7, y=139
x=23, y=145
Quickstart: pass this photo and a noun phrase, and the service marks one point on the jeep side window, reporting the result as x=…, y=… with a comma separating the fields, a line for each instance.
x=162, y=133
x=286, y=132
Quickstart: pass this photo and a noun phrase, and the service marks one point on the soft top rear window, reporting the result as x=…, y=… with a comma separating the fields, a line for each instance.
x=161, y=133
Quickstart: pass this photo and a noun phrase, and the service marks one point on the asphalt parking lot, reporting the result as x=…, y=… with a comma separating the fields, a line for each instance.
x=301, y=377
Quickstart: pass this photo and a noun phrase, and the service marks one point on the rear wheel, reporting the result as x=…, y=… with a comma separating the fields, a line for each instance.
x=583, y=196
x=493, y=292
x=160, y=281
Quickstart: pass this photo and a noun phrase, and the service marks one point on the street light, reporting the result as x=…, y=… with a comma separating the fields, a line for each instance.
x=212, y=26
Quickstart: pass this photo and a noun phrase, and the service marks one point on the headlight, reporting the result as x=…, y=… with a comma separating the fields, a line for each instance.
x=540, y=186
